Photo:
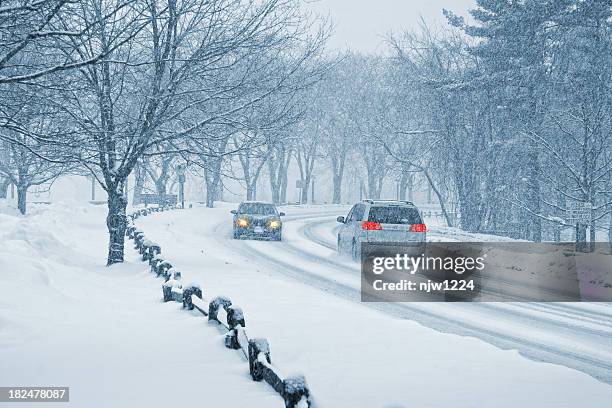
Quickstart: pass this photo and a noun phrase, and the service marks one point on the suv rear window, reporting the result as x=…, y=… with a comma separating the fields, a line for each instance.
x=394, y=215
x=257, y=209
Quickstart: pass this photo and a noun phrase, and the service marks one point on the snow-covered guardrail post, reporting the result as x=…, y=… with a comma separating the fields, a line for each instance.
x=235, y=322
x=173, y=273
x=129, y=231
x=144, y=249
x=259, y=351
x=168, y=287
x=163, y=267
x=215, y=304
x=149, y=249
x=187, y=292
x=138, y=238
x=154, y=262
x=295, y=391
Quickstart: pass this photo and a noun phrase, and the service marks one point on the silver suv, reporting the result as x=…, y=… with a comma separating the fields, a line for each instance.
x=385, y=222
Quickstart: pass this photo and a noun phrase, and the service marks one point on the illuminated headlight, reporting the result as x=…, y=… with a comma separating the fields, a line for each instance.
x=274, y=224
x=242, y=222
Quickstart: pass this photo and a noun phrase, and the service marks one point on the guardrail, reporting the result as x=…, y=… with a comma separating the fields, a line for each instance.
x=293, y=389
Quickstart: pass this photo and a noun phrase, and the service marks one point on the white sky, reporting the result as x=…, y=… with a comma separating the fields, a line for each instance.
x=360, y=25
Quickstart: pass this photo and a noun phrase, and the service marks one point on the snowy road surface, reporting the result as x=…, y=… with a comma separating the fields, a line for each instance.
x=295, y=293
x=66, y=320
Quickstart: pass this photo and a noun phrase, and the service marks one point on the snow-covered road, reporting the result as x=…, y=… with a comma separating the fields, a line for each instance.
x=295, y=293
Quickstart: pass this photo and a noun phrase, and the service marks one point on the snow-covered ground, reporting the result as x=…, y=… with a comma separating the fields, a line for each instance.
x=65, y=319
x=295, y=293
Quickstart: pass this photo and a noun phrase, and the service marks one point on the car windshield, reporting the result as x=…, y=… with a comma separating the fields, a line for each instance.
x=394, y=215
x=257, y=208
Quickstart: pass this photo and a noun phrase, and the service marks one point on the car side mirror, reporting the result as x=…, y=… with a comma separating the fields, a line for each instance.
x=340, y=219
x=281, y=214
x=234, y=212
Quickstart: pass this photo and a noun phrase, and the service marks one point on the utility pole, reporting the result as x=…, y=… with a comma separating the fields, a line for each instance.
x=93, y=188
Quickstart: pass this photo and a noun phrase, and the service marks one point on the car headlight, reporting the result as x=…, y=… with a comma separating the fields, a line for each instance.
x=242, y=222
x=274, y=224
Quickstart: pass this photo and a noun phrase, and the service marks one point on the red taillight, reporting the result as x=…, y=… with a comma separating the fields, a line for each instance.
x=371, y=226
x=418, y=228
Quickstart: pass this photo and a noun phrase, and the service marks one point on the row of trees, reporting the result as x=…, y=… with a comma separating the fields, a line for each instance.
x=108, y=86
x=506, y=120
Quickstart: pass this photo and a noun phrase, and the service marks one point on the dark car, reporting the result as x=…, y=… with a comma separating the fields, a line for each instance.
x=256, y=219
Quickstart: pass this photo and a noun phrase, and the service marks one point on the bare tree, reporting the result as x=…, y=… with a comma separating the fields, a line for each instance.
x=23, y=161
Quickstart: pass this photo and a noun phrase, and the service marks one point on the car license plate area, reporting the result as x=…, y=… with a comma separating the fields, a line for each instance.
x=258, y=230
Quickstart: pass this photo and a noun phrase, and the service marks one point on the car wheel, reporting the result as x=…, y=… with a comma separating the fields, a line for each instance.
x=339, y=247
x=236, y=236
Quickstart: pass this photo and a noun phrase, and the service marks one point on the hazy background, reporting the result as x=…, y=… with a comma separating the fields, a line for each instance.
x=361, y=25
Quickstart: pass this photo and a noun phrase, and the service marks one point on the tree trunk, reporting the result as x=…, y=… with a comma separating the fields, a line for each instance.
x=534, y=195
x=275, y=188
x=403, y=184
x=138, y=185
x=160, y=187
x=337, y=164
x=449, y=221
x=284, y=179
x=337, y=196
x=411, y=187
x=305, y=189
x=251, y=191
x=4, y=183
x=581, y=237
x=373, y=182
x=212, y=190
x=22, y=192
x=610, y=226
x=116, y=224
x=283, y=187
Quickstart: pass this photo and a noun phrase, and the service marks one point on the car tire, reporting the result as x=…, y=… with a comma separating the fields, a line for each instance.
x=339, y=247
x=236, y=236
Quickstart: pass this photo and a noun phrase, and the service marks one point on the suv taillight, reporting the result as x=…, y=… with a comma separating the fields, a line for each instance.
x=371, y=226
x=418, y=228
